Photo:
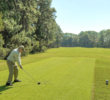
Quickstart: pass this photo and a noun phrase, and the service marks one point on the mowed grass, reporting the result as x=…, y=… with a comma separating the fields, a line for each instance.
x=64, y=73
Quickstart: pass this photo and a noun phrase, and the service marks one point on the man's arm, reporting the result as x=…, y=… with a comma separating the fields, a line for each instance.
x=17, y=57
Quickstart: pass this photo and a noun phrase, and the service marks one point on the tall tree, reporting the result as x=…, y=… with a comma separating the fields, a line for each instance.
x=84, y=39
x=1, y=22
x=2, y=50
x=45, y=27
x=101, y=39
x=18, y=21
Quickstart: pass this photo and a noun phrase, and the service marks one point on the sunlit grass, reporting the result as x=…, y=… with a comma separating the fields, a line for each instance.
x=61, y=79
x=64, y=73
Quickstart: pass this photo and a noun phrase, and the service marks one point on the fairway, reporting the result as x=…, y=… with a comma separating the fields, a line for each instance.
x=64, y=75
x=62, y=78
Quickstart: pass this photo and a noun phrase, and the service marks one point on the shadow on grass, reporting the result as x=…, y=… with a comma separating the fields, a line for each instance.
x=4, y=87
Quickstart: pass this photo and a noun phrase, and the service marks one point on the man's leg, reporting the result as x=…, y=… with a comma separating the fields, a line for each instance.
x=11, y=71
x=15, y=72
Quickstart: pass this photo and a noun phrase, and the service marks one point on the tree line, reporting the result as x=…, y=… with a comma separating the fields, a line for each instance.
x=30, y=23
x=87, y=39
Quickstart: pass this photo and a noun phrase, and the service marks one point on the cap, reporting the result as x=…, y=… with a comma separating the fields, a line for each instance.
x=22, y=47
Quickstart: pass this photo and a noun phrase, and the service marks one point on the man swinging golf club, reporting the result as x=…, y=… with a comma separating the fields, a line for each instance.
x=11, y=62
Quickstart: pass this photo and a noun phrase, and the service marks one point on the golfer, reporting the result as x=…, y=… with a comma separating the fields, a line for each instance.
x=11, y=62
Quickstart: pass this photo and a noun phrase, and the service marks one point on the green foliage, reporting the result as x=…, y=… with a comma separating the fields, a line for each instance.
x=2, y=50
x=69, y=40
x=1, y=22
x=44, y=48
x=6, y=5
x=29, y=23
x=84, y=40
x=1, y=41
x=87, y=39
x=2, y=53
x=47, y=29
x=20, y=23
x=35, y=46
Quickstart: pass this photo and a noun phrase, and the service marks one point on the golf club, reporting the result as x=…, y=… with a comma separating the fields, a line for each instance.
x=32, y=77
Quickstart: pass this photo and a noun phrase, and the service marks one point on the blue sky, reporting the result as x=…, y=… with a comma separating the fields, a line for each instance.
x=75, y=16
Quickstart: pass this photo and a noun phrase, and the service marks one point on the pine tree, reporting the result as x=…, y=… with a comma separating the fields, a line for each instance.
x=58, y=35
x=18, y=19
x=1, y=22
x=45, y=28
x=2, y=50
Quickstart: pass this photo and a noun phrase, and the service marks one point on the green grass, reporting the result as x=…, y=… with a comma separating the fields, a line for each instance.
x=64, y=73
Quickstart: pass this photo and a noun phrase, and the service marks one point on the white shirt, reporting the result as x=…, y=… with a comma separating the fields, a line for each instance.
x=15, y=56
